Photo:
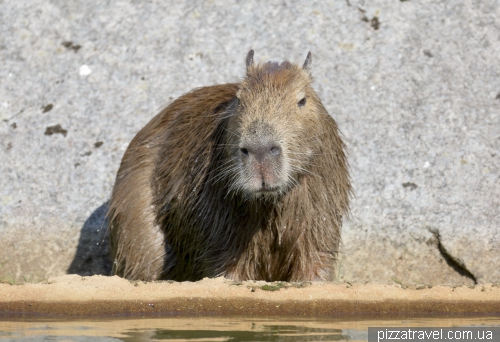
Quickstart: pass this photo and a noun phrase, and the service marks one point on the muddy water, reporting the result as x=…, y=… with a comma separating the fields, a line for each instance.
x=214, y=329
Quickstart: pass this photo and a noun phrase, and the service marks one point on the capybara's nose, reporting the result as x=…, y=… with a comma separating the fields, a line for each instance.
x=260, y=152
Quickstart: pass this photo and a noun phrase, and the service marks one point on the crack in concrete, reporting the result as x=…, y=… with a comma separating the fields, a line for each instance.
x=453, y=262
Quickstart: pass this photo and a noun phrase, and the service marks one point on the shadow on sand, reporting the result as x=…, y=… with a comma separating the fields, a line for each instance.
x=92, y=253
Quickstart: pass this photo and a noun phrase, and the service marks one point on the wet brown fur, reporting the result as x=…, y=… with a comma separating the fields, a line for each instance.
x=187, y=204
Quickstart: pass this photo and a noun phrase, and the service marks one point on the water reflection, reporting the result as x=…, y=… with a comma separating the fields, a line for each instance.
x=286, y=333
x=214, y=329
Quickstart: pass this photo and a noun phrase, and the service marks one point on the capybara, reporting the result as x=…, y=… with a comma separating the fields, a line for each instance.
x=246, y=180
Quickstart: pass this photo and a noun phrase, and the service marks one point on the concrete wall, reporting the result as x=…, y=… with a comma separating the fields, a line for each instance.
x=413, y=85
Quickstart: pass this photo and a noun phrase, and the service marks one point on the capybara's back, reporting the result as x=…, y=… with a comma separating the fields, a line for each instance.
x=245, y=180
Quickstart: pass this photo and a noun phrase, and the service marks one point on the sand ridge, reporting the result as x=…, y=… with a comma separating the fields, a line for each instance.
x=101, y=295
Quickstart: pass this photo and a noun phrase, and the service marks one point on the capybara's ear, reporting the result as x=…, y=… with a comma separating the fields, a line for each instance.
x=307, y=63
x=249, y=60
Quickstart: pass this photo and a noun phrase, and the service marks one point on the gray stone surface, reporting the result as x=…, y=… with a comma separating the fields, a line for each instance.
x=413, y=85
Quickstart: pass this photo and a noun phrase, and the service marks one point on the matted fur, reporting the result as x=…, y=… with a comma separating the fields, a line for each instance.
x=191, y=202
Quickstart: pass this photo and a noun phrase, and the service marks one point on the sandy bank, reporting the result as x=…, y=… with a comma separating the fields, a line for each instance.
x=73, y=295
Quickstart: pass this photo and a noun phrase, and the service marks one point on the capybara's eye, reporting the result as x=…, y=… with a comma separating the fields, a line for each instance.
x=302, y=102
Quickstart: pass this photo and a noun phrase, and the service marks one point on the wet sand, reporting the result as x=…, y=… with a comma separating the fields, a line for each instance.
x=73, y=295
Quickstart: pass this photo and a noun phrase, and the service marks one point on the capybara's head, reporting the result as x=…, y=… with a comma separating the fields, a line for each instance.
x=268, y=136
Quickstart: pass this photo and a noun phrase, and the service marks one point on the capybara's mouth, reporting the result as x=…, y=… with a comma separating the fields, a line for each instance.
x=268, y=191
